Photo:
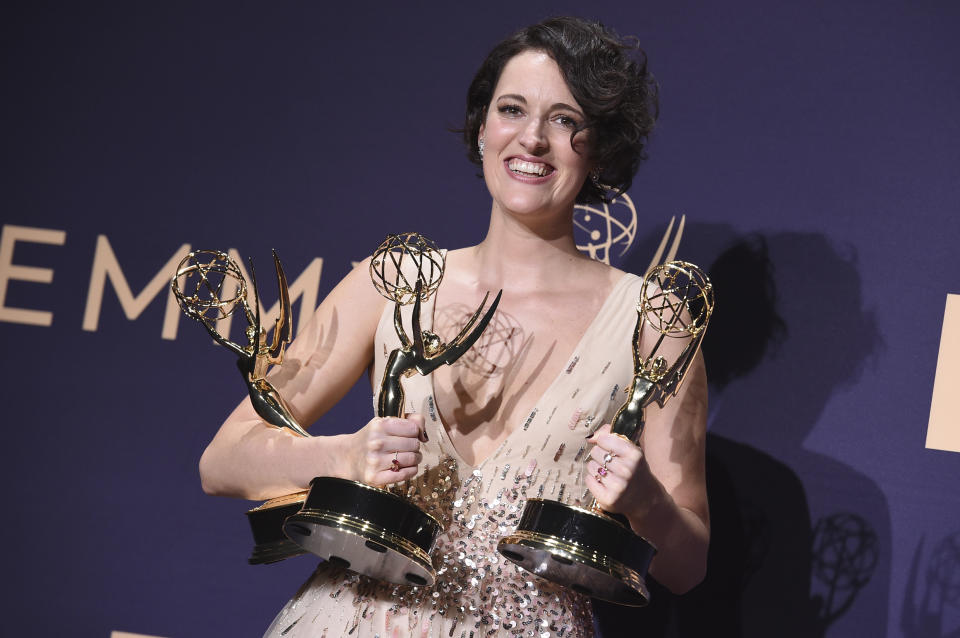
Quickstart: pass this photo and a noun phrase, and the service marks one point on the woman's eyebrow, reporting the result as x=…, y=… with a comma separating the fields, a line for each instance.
x=557, y=105
x=563, y=105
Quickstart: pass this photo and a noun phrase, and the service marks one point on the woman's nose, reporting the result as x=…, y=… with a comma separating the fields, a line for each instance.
x=532, y=138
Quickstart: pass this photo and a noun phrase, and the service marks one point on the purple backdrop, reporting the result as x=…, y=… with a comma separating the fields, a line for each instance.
x=814, y=146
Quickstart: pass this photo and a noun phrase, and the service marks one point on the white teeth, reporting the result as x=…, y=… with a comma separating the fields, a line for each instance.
x=529, y=168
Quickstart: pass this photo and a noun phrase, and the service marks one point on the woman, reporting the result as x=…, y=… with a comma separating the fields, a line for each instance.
x=555, y=111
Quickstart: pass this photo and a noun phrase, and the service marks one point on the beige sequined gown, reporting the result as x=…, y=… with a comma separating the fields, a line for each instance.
x=477, y=592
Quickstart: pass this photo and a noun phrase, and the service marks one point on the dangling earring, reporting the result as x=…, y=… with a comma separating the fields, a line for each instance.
x=595, y=176
x=480, y=148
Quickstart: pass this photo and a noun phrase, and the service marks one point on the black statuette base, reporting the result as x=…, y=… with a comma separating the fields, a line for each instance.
x=270, y=543
x=366, y=529
x=591, y=553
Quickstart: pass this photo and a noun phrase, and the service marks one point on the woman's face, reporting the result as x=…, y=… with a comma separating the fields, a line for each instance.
x=528, y=162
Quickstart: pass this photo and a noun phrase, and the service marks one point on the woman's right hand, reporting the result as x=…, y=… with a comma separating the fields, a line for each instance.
x=373, y=448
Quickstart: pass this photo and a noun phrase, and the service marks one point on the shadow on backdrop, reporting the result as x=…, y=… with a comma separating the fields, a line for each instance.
x=789, y=331
x=931, y=608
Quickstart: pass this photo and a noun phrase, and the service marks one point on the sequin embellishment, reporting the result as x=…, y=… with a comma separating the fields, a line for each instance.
x=477, y=592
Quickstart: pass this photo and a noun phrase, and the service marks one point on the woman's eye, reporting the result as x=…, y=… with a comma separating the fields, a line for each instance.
x=509, y=109
x=566, y=121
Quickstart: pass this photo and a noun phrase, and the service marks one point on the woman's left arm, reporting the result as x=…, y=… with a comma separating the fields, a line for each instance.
x=660, y=485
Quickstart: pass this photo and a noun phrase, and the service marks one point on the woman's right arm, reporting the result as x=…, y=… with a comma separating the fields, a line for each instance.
x=248, y=458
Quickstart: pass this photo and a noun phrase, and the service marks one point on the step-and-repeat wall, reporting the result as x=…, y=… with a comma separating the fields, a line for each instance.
x=814, y=148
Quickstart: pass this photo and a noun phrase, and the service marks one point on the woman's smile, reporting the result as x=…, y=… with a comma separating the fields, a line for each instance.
x=529, y=170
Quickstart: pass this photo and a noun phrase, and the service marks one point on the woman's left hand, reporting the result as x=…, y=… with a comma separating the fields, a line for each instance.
x=620, y=478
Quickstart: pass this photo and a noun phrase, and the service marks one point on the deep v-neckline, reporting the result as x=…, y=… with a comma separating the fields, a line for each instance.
x=561, y=373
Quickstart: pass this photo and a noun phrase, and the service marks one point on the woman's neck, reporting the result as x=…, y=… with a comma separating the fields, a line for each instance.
x=527, y=254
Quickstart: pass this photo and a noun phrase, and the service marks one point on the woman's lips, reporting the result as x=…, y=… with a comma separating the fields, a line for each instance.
x=527, y=170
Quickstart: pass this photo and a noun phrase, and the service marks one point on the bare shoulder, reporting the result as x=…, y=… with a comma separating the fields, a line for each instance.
x=458, y=258
x=334, y=348
x=353, y=307
x=598, y=276
x=357, y=283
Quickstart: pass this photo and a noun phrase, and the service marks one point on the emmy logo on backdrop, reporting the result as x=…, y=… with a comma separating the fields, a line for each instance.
x=587, y=549
x=209, y=286
x=606, y=230
x=369, y=529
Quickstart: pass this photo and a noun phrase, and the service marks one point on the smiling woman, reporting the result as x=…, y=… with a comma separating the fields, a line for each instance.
x=612, y=94
x=557, y=114
x=527, y=139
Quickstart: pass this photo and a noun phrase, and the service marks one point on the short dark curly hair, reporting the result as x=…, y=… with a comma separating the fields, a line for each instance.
x=608, y=77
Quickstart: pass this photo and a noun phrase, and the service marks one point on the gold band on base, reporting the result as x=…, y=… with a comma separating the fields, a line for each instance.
x=394, y=558
x=612, y=568
x=368, y=531
x=286, y=499
x=597, y=555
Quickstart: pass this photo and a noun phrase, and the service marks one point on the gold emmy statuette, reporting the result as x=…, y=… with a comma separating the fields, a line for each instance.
x=367, y=529
x=209, y=286
x=587, y=549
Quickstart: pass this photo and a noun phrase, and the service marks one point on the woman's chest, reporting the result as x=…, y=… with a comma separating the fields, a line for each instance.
x=488, y=393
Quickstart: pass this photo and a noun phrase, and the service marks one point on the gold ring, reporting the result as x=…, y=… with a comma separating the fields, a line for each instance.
x=395, y=464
